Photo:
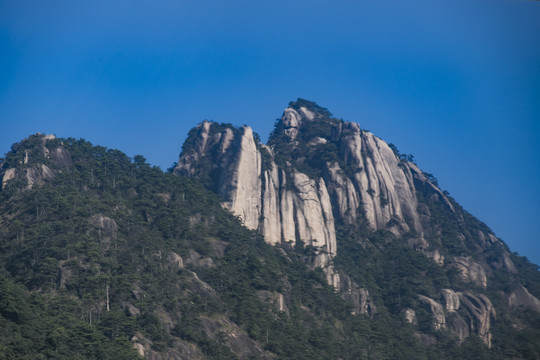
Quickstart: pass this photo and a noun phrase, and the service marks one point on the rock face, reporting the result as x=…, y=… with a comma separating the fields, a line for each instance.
x=472, y=314
x=451, y=300
x=8, y=175
x=385, y=189
x=107, y=227
x=318, y=174
x=284, y=207
x=357, y=296
x=471, y=270
x=439, y=320
x=479, y=313
x=287, y=204
x=36, y=165
x=410, y=316
x=521, y=297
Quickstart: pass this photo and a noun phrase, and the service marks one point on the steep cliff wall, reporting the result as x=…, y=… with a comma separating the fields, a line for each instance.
x=318, y=174
x=287, y=204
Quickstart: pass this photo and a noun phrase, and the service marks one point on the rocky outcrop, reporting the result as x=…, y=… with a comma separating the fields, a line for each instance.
x=471, y=314
x=287, y=204
x=410, y=316
x=436, y=309
x=460, y=327
x=479, y=313
x=522, y=297
x=229, y=333
x=38, y=163
x=64, y=274
x=275, y=299
x=243, y=185
x=385, y=189
x=284, y=207
x=175, y=261
x=107, y=227
x=451, y=300
x=179, y=350
x=357, y=296
x=38, y=174
x=471, y=270
x=9, y=174
x=198, y=260
x=306, y=183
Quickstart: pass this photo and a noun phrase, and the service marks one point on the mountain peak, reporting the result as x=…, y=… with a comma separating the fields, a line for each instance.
x=323, y=183
x=301, y=105
x=301, y=122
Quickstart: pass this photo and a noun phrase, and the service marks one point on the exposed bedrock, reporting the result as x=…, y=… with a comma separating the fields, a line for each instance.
x=318, y=173
x=286, y=204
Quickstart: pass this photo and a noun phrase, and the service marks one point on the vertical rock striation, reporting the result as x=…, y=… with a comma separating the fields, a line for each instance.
x=287, y=203
x=318, y=174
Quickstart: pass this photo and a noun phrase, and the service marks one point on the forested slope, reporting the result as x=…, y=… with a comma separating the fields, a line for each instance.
x=107, y=257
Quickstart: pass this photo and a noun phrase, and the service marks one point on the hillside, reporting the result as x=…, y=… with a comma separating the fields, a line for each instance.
x=326, y=243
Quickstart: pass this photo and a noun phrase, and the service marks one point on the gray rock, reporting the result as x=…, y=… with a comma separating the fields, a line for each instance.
x=38, y=174
x=359, y=297
x=436, y=309
x=175, y=261
x=471, y=270
x=107, y=227
x=8, y=175
x=522, y=297
x=410, y=316
x=480, y=311
x=198, y=260
x=132, y=310
x=451, y=300
x=459, y=326
x=275, y=299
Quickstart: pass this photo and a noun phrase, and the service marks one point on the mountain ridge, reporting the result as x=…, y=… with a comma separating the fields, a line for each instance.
x=146, y=263
x=323, y=173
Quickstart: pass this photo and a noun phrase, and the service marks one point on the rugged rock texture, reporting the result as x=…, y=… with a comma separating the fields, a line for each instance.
x=175, y=261
x=522, y=297
x=284, y=207
x=474, y=314
x=471, y=270
x=359, y=297
x=286, y=204
x=36, y=164
x=385, y=189
x=480, y=311
x=410, y=316
x=179, y=351
x=439, y=319
x=8, y=175
x=318, y=174
x=107, y=227
x=275, y=299
x=451, y=300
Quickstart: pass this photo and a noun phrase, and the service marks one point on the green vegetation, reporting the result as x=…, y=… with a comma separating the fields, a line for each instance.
x=89, y=266
x=315, y=145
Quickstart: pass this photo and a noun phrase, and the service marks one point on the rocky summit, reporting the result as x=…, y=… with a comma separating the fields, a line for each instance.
x=324, y=243
x=318, y=175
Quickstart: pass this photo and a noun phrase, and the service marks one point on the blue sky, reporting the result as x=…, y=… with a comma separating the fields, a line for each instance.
x=455, y=83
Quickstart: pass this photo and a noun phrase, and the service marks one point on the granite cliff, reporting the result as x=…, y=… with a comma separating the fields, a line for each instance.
x=324, y=243
x=319, y=175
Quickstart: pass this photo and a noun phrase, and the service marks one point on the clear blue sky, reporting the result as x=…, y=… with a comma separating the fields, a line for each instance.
x=455, y=83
